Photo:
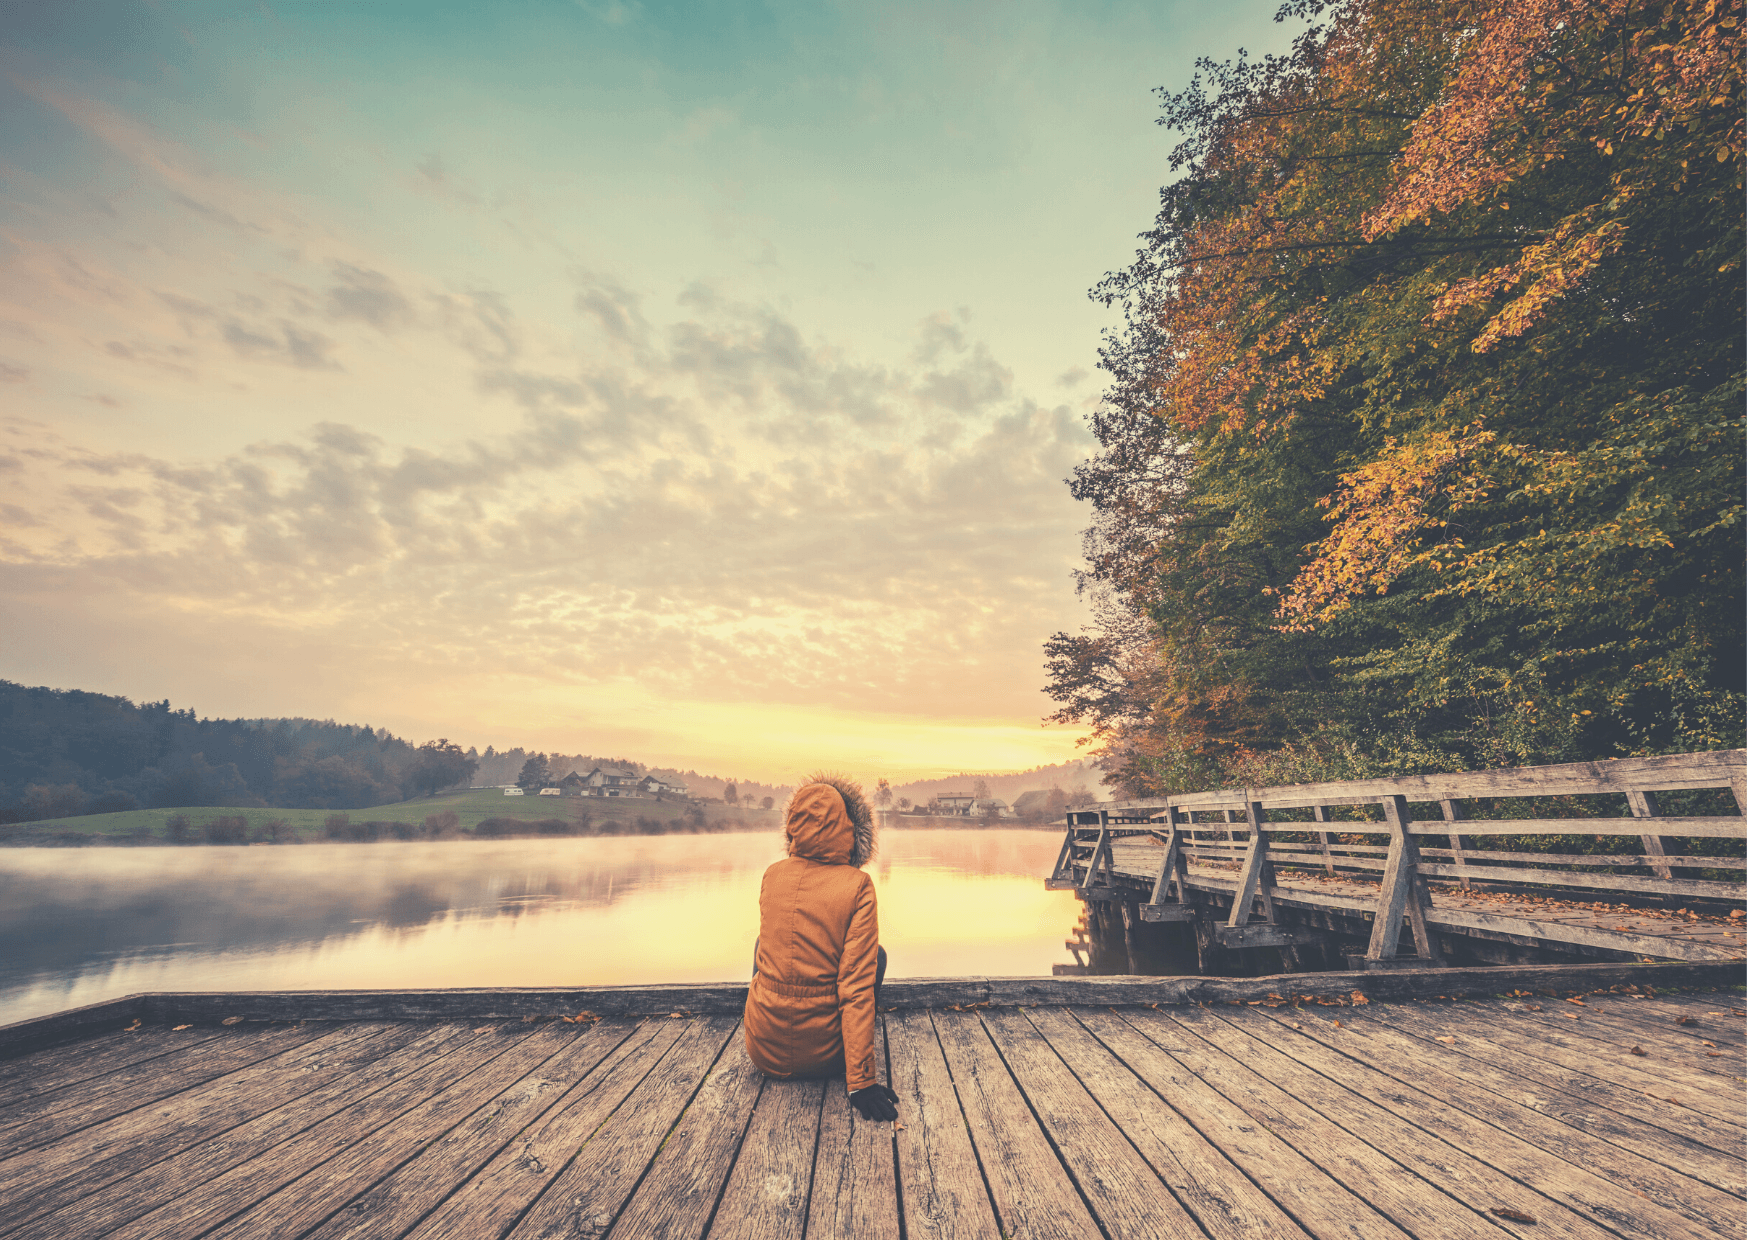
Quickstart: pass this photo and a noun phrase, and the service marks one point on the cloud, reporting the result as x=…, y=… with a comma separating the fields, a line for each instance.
x=734, y=512
x=368, y=296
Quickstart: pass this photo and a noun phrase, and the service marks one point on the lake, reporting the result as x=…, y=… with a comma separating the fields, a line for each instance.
x=80, y=925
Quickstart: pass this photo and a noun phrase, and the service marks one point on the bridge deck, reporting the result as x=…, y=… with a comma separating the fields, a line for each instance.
x=1599, y=924
x=1622, y=1116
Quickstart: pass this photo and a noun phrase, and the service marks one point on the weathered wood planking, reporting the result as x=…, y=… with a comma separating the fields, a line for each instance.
x=44, y=1179
x=1227, y=1120
x=161, y=1179
x=855, y=1189
x=1675, y=772
x=523, y=1172
x=1492, y=1128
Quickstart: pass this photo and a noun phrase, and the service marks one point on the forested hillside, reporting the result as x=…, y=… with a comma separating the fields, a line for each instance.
x=66, y=752
x=1424, y=437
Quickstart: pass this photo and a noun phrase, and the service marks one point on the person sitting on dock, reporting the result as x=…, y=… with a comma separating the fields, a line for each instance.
x=818, y=963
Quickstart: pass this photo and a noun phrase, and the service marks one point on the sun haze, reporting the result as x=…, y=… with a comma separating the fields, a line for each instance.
x=597, y=377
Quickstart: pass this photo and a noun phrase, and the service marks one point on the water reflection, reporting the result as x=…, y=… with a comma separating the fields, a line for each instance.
x=81, y=925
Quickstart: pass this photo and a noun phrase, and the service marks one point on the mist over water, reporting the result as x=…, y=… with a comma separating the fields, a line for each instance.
x=80, y=925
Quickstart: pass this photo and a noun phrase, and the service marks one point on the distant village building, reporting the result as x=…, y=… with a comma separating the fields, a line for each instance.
x=552, y=792
x=651, y=786
x=972, y=807
x=610, y=781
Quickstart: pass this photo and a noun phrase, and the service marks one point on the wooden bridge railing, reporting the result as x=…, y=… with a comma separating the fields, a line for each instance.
x=1187, y=827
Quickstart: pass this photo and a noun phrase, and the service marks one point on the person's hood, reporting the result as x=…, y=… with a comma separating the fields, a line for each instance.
x=828, y=821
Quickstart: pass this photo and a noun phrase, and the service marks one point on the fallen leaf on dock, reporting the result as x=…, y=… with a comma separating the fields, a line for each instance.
x=1685, y=1020
x=1359, y=999
x=1711, y=1044
x=180, y=1028
x=1570, y=1015
x=1446, y=1041
x=1516, y=1216
x=581, y=1018
x=1579, y=1002
x=1297, y=1025
x=1714, y=1054
x=1336, y=1023
x=232, y=1020
x=1636, y=1051
x=133, y=1028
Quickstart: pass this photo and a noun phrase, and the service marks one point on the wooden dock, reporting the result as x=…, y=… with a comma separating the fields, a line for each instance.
x=1620, y=1115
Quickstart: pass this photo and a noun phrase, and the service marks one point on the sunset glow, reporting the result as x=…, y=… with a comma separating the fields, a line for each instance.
x=601, y=378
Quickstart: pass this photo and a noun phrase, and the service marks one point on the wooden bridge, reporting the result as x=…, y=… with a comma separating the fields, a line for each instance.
x=1257, y=868
x=1591, y=1103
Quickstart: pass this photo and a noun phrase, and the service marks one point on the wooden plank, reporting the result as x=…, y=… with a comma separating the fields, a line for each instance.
x=204, y=1206
x=1127, y=1196
x=1666, y=773
x=1627, y=883
x=1323, y=1205
x=52, y=1117
x=855, y=1172
x=679, y=1192
x=1444, y=1144
x=414, y=1189
x=524, y=1171
x=1384, y=1180
x=941, y=1182
x=44, y=1071
x=51, y=1176
x=1671, y=1137
x=1217, y=1195
x=767, y=1192
x=1601, y=1052
x=1584, y=1176
x=1605, y=1052
x=1688, y=828
x=328, y=1187
x=171, y=1183
x=1671, y=1170
x=28, y=1099
x=1628, y=1020
x=1031, y=1190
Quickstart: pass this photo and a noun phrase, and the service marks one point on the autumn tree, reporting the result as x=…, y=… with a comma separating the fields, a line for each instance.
x=1424, y=437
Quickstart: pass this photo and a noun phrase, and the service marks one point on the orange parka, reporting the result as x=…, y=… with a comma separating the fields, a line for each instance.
x=810, y=1008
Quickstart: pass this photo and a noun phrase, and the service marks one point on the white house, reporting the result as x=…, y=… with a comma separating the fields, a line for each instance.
x=610, y=781
x=649, y=785
x=512, y=792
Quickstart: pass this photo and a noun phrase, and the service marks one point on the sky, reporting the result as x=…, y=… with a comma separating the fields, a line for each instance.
x=693, y=383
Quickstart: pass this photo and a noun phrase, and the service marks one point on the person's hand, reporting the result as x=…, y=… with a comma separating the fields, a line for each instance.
x=876, y=1102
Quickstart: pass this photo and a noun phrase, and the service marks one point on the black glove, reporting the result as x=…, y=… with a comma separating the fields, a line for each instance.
x=875, y=1102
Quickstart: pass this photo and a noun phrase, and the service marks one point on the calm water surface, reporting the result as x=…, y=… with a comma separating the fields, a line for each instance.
x=79, y=925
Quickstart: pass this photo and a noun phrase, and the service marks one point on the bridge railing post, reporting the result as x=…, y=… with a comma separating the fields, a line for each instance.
x=1454, y=812
x=1403, y=890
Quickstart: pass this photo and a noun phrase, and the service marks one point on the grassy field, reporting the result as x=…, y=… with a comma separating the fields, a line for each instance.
x=470, y=808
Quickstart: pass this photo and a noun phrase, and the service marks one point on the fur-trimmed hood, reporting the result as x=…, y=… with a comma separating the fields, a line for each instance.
x=828, y=820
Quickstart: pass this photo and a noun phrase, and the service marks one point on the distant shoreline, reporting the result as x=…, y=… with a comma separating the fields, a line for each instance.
x=469, y=814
